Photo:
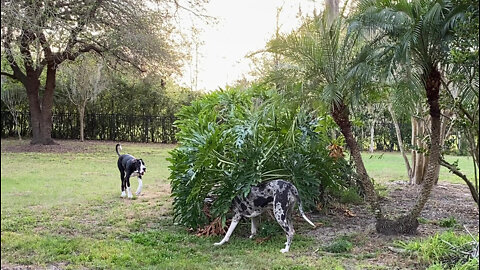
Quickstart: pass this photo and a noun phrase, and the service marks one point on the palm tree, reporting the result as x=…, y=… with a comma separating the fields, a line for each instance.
x=332, y=64
x=414, y=36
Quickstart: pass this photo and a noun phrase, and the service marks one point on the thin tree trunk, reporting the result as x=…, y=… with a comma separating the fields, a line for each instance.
x=372, y=136
x=414, y=152
x=400, y=143
x=420, y=156
x=444, y=133
x=81, y=118
x=17, y=126
x=341, y=116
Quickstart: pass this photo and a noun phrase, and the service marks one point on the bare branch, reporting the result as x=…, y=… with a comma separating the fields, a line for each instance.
x=457, y=172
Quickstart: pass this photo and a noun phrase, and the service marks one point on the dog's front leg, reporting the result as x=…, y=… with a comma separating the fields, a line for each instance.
x=235, y=221
x=140, y=185
x=254, y=227
x=129, y=192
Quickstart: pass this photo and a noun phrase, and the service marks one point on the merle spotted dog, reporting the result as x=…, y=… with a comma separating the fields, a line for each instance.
x=130, y=166
x=279, y=194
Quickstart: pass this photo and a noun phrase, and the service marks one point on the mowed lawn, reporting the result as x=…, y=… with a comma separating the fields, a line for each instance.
x=390, y=166
x=63, y=209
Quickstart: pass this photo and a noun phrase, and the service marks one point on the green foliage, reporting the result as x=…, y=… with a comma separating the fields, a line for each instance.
x=444, y=251
x=269, y=228
x=351, y=195
x=328, y=57
x=448, y=222
x=340, y=245
x=231, y=140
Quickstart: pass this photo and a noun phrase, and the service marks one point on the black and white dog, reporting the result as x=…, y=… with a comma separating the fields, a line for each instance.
x=130, y=166
x=279, y=194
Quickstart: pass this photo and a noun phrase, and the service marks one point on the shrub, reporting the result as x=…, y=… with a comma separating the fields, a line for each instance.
x=233, y=139
x=340, y=245
x=447, y=250
x=447, y=222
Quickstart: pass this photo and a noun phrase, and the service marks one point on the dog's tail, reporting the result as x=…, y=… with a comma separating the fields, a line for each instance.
x=300, y=209
x=118, y=146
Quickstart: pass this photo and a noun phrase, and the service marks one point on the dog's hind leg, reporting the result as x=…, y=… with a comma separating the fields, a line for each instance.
x=140, y=185
x=123, y=184
x=290, y=232
x=287, y=226
x=282, y=209
x=225, y=239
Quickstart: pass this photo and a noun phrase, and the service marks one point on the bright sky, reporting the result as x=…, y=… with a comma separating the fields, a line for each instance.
x=243, y=27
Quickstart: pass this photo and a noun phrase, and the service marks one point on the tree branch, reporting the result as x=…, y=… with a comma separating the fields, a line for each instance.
x=75, y=31
x=17, y=72
x=457, y=172
x=9, y=75
x=26, y=37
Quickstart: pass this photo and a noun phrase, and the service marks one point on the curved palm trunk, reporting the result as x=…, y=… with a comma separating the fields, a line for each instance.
x=408, y=224
x=341, y=116
x=432, y=87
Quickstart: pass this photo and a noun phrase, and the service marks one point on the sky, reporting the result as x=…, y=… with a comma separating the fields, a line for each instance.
x=244, y=26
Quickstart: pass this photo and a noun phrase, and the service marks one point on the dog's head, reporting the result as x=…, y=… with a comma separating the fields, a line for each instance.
x=140, y=167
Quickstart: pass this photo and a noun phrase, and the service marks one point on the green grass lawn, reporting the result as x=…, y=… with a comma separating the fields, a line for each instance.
x=64, y=210
x=390, y=166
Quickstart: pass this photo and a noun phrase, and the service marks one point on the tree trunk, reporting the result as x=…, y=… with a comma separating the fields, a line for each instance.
x=420, y=156
x=414, y=152
x=372, y=136
x=32, y=85
x=432, y=87
x=81, y=119
x=41, y=111
x=444, y=134
x=341, y=117
x=47, y=105
x=400, y=143
x=17, y=126
x=409, y=223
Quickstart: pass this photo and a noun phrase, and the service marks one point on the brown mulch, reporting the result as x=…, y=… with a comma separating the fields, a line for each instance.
x=446, y=201
x=62, y=146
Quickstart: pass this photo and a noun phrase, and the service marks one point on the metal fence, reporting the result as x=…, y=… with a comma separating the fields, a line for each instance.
x=115, y=127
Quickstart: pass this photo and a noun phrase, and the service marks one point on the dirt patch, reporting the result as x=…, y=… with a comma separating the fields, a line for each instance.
x=446, y=201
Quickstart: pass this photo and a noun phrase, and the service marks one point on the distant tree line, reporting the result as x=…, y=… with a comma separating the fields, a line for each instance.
x=128, y=109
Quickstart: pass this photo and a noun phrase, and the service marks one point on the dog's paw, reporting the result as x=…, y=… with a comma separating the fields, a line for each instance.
x=284, y=250
x=123, y=194
x=218, y=244
x=137, y=193
x=252, y=236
